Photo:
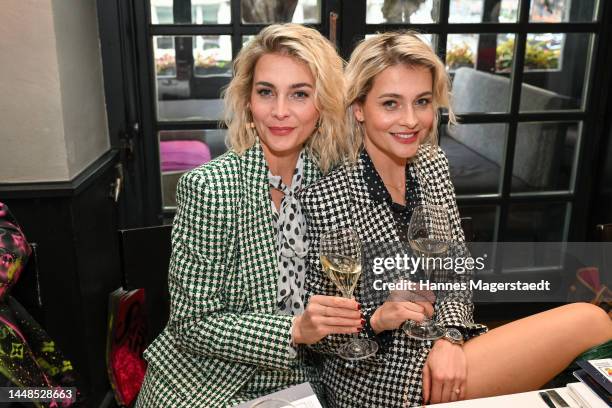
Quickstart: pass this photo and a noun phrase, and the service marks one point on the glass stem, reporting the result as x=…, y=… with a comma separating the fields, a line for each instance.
x=427, y=322
x=355, y=336
x=426, y=267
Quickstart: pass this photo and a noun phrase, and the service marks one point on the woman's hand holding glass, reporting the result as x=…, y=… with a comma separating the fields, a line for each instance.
x=429, y=236
x=394, y=313
x=341, y=256
x=326, y=315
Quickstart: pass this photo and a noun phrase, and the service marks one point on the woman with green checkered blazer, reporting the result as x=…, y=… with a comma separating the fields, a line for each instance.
x=238, y=241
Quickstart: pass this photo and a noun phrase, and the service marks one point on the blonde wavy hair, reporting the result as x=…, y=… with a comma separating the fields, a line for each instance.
x=377, y=53
x=327, y=145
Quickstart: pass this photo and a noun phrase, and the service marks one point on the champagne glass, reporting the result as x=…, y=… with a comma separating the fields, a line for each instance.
x=340, y=252
x=429, y=237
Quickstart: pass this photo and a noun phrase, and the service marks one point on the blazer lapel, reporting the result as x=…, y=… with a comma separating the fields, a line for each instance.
x=370, y=217
x=419, y=168
x=258, y=260
x=257, y=246
x=311, y=171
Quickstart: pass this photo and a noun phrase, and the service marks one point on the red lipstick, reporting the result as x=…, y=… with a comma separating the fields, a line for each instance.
x=280, y=130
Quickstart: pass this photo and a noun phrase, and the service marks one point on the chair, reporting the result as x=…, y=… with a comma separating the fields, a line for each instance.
x=183, y=150
x=145, y=256
x=538, y=145
x=468, y=228
x=604, y=232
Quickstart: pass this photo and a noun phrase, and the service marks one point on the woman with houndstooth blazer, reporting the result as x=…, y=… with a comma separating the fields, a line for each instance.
x=395, y=86
x=238, y=240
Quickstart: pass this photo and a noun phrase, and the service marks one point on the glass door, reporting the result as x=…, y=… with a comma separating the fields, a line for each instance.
x=185, y=51
x=522, y=72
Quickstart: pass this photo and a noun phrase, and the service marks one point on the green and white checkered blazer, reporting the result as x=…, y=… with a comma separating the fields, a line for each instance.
x=224, y=342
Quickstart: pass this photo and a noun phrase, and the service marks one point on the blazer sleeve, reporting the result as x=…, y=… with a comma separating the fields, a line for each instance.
x=202, y=279
x=455, y=308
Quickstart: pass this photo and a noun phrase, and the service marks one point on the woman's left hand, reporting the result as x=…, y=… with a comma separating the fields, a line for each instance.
x=444, y=373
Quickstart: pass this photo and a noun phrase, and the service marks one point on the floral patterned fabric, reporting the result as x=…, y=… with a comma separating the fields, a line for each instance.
x=28, y=356
x=14, y=251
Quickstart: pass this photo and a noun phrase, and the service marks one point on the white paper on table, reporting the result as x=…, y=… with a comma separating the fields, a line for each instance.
x=301, y=396
x=585, y=396
x=308, y=402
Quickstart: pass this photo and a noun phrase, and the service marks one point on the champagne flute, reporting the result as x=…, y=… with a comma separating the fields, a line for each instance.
x=429, y=237
x=340, y=252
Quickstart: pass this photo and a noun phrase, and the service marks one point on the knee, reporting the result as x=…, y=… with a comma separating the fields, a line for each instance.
x=594, y=320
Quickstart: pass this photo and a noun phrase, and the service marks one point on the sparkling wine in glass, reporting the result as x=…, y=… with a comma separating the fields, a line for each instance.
x=429, y=237
x=340, y=251
x=344, y=271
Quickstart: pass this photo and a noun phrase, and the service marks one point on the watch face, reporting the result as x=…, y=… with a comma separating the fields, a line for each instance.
x=454, y=334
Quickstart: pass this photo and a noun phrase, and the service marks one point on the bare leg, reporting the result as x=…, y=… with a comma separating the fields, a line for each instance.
x=525, y=354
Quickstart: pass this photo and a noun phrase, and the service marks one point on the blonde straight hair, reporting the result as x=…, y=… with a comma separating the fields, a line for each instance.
x=377, y=53
x=327, y=145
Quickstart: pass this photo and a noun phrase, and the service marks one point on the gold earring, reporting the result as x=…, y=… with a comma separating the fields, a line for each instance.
x=249, y=116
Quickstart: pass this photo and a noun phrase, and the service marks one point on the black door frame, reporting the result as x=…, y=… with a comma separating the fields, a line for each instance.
x=144, y=33
x=135, y=102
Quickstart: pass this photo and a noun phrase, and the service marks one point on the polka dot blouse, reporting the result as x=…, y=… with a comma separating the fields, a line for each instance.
x=378, y=192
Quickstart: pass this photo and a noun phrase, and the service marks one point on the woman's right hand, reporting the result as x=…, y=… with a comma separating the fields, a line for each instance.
x=397, y=309
x=327, y=315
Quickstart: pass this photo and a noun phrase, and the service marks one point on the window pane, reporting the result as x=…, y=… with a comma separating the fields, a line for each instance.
x=183, y=150
x=190, y=12
x=476, y=155
x=165, y=61
x=474, y=11
x=531, y=223
x=530, y=260
x=484, y=219
x=544, y=155
x=402, y=11
x=189, y=73
x=480, y=66
x=536, y=222
x=560, y=11
x=555, y=71
x=280, y=11
x=246, y=39
x=461, y=51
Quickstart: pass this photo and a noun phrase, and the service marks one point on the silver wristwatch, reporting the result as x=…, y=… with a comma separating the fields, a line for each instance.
x=454, y=336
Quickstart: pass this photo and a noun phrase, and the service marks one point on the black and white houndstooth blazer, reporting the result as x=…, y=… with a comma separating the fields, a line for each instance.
x=340, y=200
